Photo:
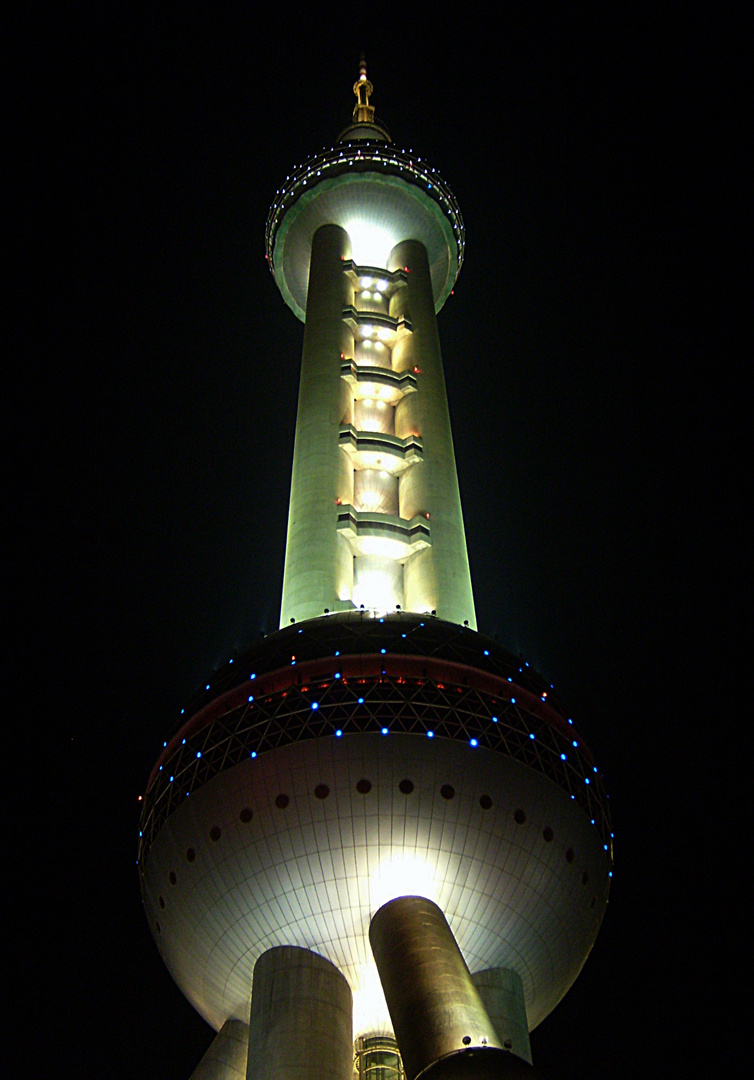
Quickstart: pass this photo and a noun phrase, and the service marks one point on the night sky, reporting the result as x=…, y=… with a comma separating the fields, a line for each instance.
x=588, y=351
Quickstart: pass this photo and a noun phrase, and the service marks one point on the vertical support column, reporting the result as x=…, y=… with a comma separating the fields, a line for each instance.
x=502, y=992
x=227, y=1054
x=437, y=578
x=318, y=562
x=300, y=1026
x=442, y=1027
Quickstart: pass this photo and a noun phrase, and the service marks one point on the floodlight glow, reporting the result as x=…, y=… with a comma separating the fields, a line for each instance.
x=370, y=244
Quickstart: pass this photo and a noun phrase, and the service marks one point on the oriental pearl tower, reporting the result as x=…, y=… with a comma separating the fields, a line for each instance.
x=376, y=846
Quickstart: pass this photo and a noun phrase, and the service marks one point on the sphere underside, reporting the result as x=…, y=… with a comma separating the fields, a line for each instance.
x=302, y=845
x=380, y=196
x=294, y=827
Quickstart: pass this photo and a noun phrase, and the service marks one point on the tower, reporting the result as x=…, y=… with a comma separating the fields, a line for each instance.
x=375, y=831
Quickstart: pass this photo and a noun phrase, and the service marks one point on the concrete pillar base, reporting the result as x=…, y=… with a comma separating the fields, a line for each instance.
x=226, y=1057
x=300, y=1026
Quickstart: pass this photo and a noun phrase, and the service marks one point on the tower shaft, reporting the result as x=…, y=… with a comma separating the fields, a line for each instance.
x=375, y=514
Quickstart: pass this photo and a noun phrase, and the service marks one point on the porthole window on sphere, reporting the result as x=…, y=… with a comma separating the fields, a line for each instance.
x=215, y=832
x=162, y=902
x=190, y=854
x=172, y=878
x=547, y=834
x=282, y=801
x=363, y=787
x=485, y=802
x=406, y=787
x=246, y=815
x=519, y=817
x=584, y=878
x=570, y=855
x=447, y=791
x=321, y=791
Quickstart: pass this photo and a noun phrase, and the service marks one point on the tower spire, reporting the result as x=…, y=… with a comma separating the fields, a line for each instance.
x=363, y=124
x=363, y=112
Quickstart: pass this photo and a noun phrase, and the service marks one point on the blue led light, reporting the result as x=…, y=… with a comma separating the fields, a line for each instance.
x=486, y=652
x=230, y=661
x=337, y=674
x=337, y=652
x=293, y=663
x=198, y=753
x=592, y=821
x=595, y=768
x=172, y=778
x=301, y=631
x=382, y=620
x=315, y=704
x=574, y=743
x=183, y=743
x=403, y=635
x=430, y=734
x=160, y=768
x=570, y=721
x=207, y=687
x=586, y=780
x=164, y=744
x=532, y=735
x=253, y=753
x=384, y=731
x=562, y=757
x=473, y=742
x=361, y=701
x=421, y=624
x=140, y=833
x=182, y=711
x=605, y=846
x=510, y=679
x=609, y=873
x=251, y=697
x=494, y=719
x=383, y=650
x=338, y=733
x=513, y=701
x=253, y=675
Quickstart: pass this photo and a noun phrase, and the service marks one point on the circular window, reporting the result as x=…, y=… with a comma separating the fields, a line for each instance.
x=485, y=802
x=162, y=902
x=519, y=817
x=547, y=834
x=570, y=855
x=406, y=787
x=282, y=801
x=321, y=791
x=190, y=854
x=363, y=787
x=447, y=791
x=246, y=815
x=215, y=832
x=172, y=877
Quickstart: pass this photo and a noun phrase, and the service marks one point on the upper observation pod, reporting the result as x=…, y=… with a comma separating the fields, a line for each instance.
x=379, y=195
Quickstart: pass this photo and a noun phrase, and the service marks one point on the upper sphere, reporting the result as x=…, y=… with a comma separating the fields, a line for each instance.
x=380, y=196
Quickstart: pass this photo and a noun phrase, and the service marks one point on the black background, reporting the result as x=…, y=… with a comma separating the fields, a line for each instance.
x=594, y=390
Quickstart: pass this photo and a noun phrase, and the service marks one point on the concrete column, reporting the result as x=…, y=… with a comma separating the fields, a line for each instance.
x=226, y=1057
x=318, y=561
x=300, y=1026
x=439, y=1019
x=437, y=578
x=502, y=992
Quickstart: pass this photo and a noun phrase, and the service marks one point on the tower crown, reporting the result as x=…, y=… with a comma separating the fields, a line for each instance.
x=364, y=126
